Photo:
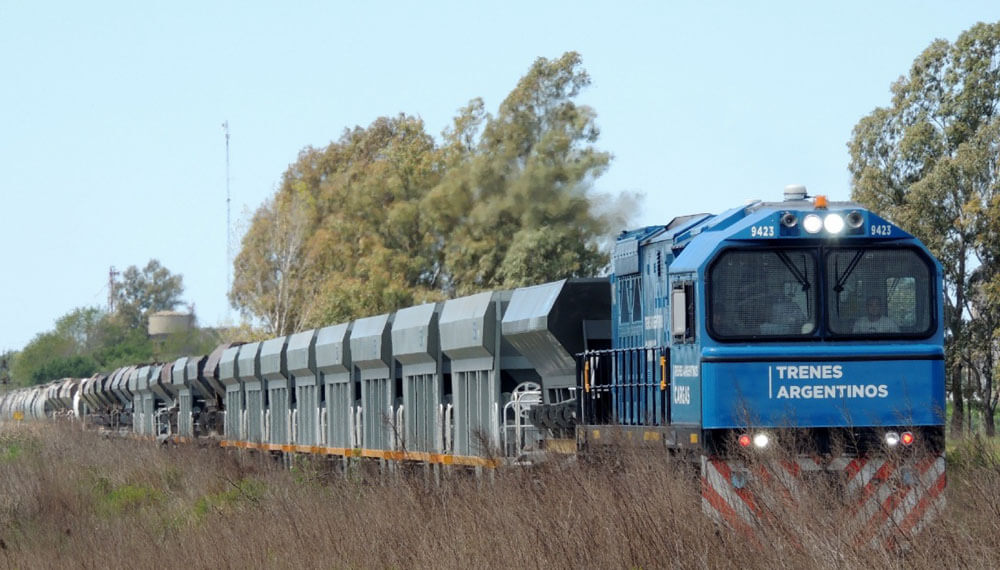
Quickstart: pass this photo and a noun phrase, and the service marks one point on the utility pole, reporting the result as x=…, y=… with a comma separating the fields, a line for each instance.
x=229, y=226
x=112, y=275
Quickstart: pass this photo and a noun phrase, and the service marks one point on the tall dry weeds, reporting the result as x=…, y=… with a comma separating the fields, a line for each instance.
x=70, y=498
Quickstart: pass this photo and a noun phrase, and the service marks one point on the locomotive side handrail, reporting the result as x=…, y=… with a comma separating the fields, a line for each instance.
x=627, y=386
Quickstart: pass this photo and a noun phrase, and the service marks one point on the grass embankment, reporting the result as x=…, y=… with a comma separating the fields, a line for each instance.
x=75, y=499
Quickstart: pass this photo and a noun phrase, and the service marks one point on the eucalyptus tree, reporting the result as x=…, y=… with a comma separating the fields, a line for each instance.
x=386, y=216
x=140, y=292
x=516, y=205
x=929, y=162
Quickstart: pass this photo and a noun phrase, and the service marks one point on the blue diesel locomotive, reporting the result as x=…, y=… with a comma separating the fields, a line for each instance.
x=803, y=324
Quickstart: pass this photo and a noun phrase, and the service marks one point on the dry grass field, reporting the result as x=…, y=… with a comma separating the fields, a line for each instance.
x=76, y=499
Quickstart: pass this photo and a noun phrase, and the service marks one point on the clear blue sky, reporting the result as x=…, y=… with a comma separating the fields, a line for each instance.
x=111, y=150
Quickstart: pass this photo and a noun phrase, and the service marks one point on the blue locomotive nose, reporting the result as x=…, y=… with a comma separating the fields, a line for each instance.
x=789, y=394
x=800, y=314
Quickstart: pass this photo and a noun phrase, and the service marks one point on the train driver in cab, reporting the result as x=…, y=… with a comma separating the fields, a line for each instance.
x=786, y=318
x=875, y=320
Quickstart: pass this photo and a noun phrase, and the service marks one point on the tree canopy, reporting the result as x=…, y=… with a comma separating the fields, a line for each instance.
x=141, y=292
x=6, y=358
x=513, y=207
x=386, y=216
x=930, y=162
x=81, y=342
x=88, y=339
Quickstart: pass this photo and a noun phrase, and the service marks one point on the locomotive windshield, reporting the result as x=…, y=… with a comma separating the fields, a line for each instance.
x=878, y=292
x=764, y=293
x=777, y=293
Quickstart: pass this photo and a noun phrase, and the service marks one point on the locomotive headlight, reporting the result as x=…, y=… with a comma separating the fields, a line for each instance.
x=892, y=439
x=761, y=440
x=812, y=223
x=833, y=223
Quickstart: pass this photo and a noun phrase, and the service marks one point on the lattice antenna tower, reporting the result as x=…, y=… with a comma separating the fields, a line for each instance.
x=112, y=275
x=229, y=225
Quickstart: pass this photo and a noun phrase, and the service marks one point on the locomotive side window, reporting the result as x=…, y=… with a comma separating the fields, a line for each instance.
x=763, y=293
x=630, y=299
x=682, y=312
x=879, y=293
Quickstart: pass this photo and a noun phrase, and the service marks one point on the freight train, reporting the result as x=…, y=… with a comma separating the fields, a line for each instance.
x=804, y=325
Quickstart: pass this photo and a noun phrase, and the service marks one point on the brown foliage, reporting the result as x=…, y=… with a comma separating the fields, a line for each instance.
x=73, y=498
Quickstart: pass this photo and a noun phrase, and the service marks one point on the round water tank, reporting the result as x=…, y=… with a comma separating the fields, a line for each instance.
x=169, y=322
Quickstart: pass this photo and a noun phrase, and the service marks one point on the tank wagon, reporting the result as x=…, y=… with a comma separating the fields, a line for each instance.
x=805, y=326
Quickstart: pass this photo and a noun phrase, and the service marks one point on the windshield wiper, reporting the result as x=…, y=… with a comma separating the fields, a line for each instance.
x=838, y=286
x=799, y=275
x=841, y=279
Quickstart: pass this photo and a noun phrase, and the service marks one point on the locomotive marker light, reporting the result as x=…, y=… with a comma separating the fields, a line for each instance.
x=812, y=223
x=744, y=440
x=789, y=220
x=907, y=438
x=855, y=220
x=761, y=440
x=833, y=223
x=892, y=439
